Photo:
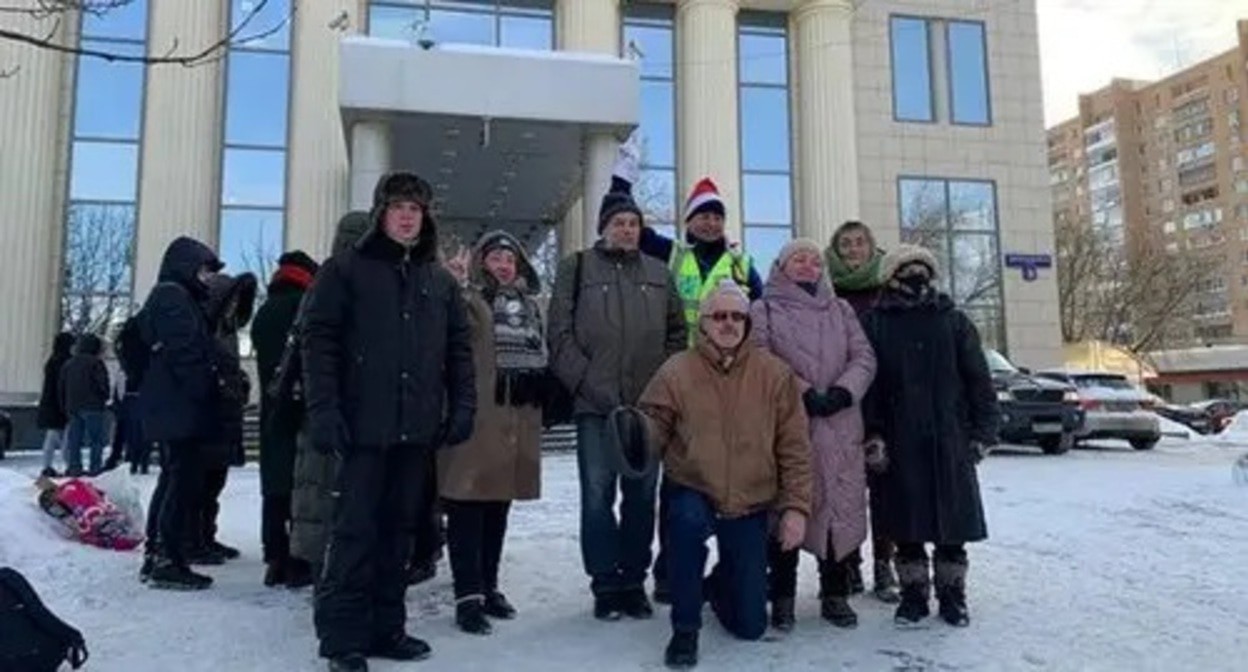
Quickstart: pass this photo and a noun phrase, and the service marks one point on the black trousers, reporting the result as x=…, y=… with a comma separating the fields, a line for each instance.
x=378, y=498
x=430, y=533
x=955, y=553
x=475, y=532
x=834, y=576
x=176, y=499
x=209, y=505
x=882, y=548
x=275, y=527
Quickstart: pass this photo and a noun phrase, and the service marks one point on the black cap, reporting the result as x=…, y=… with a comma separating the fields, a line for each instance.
x=618, y=199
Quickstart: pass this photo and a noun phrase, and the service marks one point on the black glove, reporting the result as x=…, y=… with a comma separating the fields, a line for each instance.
x=817, y=404
x=328, y=434
x=457, y=429
x=839, y=399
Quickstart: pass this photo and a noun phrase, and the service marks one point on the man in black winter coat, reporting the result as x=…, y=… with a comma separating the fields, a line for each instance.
x=84, y=396
x=388, y=377
x=51, y=416
x=179, y=405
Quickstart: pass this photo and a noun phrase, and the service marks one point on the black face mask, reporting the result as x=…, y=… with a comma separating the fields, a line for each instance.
x=914, y=285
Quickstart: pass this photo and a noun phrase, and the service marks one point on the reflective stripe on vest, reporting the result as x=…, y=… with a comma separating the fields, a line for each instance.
x=693, y=288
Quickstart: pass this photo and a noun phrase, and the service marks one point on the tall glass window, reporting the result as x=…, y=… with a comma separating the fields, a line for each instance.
x=98, y=247
x=253, y=161
x=969, y=102
x=957, y=219
x=520, y=24
x=920, y=48
x=766, y=166
x=649, y=35
x=913, y=99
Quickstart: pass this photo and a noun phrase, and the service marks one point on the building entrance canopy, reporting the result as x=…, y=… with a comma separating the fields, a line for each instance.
x=499, y=133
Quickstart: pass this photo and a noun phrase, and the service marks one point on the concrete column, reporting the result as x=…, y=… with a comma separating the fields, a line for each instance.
x=572, y=229
x=317, y=171
x=180, y=184
x=709, y=142
x=591, y=26
x=370, y=159
x=34, y=104
x=826, y=162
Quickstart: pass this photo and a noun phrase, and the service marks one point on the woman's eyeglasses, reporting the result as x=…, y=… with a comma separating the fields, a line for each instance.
x=724, y=316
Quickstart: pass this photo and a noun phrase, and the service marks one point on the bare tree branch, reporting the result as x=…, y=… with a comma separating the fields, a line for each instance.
x=210, y=53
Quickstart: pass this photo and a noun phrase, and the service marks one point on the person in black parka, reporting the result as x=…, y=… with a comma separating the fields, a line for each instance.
x=231, y=302
x=84, y=391
x=270, y=334
x=934, y=408
x=388, y=380
x=51, y=417
x=179, y=402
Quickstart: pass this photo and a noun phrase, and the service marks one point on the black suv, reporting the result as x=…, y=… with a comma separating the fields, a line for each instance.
x=1034, y=410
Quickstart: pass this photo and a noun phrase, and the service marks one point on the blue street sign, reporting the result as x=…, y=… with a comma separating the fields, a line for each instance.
x=1029, y=264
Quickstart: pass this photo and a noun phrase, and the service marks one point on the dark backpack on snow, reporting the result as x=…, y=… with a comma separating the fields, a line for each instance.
x=33, y=639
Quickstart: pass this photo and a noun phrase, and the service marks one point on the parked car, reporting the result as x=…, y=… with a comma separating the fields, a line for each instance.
x=1219, y=411
x=1195, y=419
x=1113, y=408
x=1034, y=410
x=6, y=433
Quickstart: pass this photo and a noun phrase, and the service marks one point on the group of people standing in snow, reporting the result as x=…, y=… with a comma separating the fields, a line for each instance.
x=399, y=386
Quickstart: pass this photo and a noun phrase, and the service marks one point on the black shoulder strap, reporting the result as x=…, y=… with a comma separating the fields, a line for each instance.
x=46, y=620
x=576, y=282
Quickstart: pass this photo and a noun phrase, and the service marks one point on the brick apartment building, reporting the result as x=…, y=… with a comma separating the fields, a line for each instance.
x=1168, y=159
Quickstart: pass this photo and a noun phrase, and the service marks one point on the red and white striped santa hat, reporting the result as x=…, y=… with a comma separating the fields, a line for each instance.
x=704, y=198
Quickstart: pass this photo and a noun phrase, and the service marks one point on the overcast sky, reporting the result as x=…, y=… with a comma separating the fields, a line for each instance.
x=1085, y=43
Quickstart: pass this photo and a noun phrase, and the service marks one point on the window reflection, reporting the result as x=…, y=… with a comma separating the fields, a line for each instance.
x=658, y=123
x=109, y=96
x=649, y=28
x=251, y=241
x=656, y=192
x=99, y=260
x=765, y=129
x=104, y=171
x=768, y=199
x=256, y=98
x=526, y=33
x=655, y=46
x=764, y=244
x=968, y=73
x=275, y=16
x=518, y=24
x=126, y=21
x=254, y=177
x=763, y=59
x=912, y=70
x=766, y=187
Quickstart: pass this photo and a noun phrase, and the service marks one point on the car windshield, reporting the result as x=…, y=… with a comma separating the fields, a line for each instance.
x=998, y=362
x=1106, y=382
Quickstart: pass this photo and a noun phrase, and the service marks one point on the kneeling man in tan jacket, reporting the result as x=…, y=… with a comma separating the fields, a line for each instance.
x=728, y=420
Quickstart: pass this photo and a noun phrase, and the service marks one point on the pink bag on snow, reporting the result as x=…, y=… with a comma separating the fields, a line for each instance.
x=93, y=519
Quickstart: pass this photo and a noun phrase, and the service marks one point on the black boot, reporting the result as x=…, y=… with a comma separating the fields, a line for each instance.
x=635, y=604
x=49, y=472
x=836, y=610
x=402, y=648
x=916, y=589
x=856, y=586
x=951, y=592
x=682, y=651
x=204, y=556
x=351, y=662
x=497, y=606
x=227, y=552
x=783, y=614
x=470, y=616
x=166, y=575
x=298, y=573
x=607, y=607
x=886, y=583
x=274, y=574
x=145, y=571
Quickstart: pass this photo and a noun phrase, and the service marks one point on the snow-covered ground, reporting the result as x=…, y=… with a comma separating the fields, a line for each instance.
x=1102, y=559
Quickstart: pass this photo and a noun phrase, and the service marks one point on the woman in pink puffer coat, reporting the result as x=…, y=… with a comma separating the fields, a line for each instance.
x=802, y=322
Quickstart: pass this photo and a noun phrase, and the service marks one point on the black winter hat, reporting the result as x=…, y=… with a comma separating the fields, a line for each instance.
x=618, y=199
x=299, y=259
x=628, y=434
x=402, y=186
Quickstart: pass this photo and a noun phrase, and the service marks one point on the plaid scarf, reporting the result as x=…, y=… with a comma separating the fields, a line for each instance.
x=519, y=341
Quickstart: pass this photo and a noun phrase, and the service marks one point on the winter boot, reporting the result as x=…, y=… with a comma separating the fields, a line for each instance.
x=49, y=472
x=607, y=607
x=951, y=592
x=836, y=610
x=783, y=614
x=682, y=651
x=274, y=574
x=886, y=583
x=635, y=604
x=916, y=589
x=351, y=662
x=856, y=586
x=166, y=575
x=470, y=616
x=401, y=647
x=204, y=556
x=145, y=571
x=497, y=606
x=227, y=552
x=420, y=572
x=298, y=573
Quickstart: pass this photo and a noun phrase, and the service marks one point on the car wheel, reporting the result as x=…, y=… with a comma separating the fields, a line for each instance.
x=1144, y=444
x=1057, y=445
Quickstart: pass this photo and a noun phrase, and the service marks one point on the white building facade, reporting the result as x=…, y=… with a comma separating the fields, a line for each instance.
x=922, y=118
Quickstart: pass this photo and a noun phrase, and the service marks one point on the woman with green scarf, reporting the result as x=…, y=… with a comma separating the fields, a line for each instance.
x=853, y=261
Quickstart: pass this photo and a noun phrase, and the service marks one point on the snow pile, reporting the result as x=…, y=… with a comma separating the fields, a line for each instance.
x=1237, y=430
x=1176, y=430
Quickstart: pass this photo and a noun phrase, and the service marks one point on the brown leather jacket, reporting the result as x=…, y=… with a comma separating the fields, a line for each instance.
x=735, y=431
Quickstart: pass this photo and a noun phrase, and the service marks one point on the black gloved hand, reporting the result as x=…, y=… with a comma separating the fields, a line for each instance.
x=817, y=405
x=839, y=399
x=457, y=429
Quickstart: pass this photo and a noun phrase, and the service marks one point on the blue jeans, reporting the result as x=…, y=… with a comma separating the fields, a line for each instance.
x=616, y=554
x=85, y=427
x=739, y=585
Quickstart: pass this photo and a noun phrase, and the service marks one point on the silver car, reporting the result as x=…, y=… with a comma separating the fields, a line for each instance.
x=1113, y=407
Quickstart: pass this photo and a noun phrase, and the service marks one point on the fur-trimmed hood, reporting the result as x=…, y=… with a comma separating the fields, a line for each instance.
x=479, y=277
